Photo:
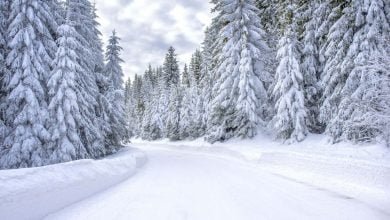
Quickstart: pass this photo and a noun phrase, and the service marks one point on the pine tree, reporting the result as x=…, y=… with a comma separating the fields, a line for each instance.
x=188, y=111
x=169, y=93
x=31, y=46
x=334, y=58
x=173, y=119
x=171, y=74
x=241, y=101
x=195, y=66
x=4, y=71
x=129, y=107
x=185, y=79
x=115, y=95
x=63, y=107
x=363, y=112
x=290, y=118
x=310, y=65
x=139, y=104
x=90, y=126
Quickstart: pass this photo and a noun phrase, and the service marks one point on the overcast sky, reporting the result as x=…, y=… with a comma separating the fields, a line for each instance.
x=149, y=27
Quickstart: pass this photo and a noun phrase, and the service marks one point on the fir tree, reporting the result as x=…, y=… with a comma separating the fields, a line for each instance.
x=241, y=101
x=290, y=118
x=90, y=126
x=115, y=94
x=185, y=78
x=310, y=65
x=363, y=112
x=63, y=107
x=31, y=45
x=4, y=71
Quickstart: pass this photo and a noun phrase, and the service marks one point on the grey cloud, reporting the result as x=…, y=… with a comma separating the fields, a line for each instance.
x=142, y=44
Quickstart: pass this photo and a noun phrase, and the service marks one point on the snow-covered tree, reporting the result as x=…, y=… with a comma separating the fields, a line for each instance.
x=310, y=64
x=31, y=46
x=90, y=126
x=170, y=79
x=335, y=60
x=171, y=74
x=241, y=101
x=362, y=114
x=185, y=78
x=63, y=108
x=195, y=66
x=291, y=113
x=188, y=111
x=173, y=119
x=115, y=94
x=4, y=71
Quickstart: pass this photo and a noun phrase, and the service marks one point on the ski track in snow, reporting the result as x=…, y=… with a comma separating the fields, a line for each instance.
x=178, y=185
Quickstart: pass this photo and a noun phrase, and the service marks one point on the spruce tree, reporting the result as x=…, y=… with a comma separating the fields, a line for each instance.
x=63, y=108
x=241, y=101
x=115, y=95
x=363, y=111
x=290, y=118
x=90, y=126
x=4, y=71
x=185, y=78
x=31, y=46
x=335, y=60
x=170, y=94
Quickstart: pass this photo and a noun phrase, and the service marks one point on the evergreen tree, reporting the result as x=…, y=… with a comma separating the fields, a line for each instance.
x=129, y=107
x=335, y=60
x=290, y=118
x=115, y=95
x=241, y=101
x=185, y=78
x=363, y=114
x=170, y=94
x=63, y=107
x=31, y=45
x=4, y=71
x=188, y=109
x=171, y=74
x=195, y=66
x=90, y=126
x=173, y=119
x=310, y=65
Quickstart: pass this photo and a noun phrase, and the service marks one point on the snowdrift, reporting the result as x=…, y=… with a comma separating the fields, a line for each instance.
x=36, y=192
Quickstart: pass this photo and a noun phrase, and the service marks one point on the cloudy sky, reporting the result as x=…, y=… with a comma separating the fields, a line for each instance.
x=149, y=27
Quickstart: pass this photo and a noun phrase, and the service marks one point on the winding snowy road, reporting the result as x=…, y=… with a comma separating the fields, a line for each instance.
x=184, y=185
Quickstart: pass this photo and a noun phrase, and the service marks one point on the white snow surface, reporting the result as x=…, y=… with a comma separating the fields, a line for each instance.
x=245, y=180
x=33, y=193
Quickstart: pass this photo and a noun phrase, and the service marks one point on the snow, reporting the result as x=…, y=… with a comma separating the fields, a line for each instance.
x=35, y=192
x=182, y=183
x=361, y=172
x=239, y=179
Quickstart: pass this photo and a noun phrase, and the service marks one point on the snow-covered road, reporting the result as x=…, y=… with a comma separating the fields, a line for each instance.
x=176, y=184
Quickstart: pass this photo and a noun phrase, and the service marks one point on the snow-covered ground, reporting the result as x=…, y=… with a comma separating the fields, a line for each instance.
x=34, y=193
x=246, y=180
x=361, y=172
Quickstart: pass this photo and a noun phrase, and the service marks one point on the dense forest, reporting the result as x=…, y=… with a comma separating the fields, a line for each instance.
x=59, y=100
x=288, y=68
x=285, y=68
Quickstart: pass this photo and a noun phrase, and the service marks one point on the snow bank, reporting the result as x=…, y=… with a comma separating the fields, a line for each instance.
x=36, y=192
x=361, y=172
